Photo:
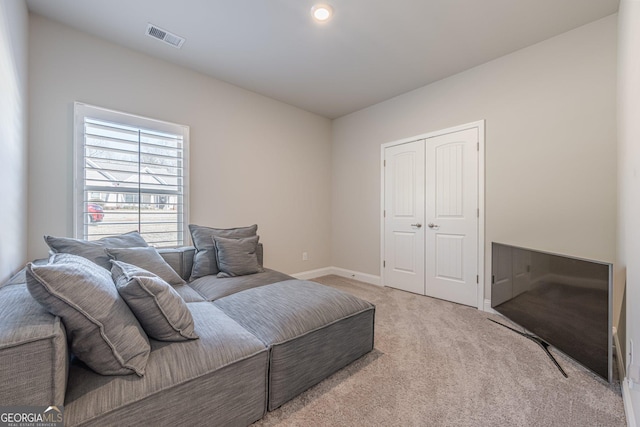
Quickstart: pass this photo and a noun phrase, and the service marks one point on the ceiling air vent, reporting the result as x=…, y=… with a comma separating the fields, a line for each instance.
x=165, y=36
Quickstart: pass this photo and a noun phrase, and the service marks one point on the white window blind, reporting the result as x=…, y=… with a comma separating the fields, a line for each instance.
x=131, y=174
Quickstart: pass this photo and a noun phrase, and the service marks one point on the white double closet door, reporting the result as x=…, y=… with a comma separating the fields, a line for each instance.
x=431, y=216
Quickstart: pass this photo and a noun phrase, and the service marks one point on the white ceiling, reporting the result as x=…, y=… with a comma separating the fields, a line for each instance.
x=371, y=50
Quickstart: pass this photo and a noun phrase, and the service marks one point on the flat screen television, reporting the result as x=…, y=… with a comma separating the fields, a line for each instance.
x=562, y=300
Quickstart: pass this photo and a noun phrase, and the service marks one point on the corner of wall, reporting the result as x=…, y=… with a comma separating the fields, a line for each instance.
x=14, y=22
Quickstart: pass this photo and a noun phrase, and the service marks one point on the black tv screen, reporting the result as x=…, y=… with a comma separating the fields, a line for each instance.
x=563, y=300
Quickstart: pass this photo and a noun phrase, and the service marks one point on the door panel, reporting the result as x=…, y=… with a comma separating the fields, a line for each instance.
x=405, y=253
x=449, y=257
x=404, y=209
x=449, y=191
x=452, y=217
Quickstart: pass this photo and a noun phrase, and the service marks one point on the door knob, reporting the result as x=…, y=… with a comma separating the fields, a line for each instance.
x=432, y=225
x=418, y=225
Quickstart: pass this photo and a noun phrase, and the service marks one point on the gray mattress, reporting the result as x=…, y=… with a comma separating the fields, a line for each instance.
x=315, y=331
x=213, y=288
x=223, y=374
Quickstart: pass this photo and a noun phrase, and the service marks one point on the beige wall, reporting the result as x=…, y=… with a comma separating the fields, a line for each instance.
x=253, y=159
x=13, y=136
x=549, y=111
x=550, y=149
x=629, y=186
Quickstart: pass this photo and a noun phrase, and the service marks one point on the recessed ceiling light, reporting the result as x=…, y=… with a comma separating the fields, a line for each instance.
x=322, y=12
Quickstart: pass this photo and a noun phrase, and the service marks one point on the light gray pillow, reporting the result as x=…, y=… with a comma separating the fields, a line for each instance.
x=159, y=308
x=103, y=331
x=147, y=259
x=204, y=260
x=237, y=257
x=94, y=250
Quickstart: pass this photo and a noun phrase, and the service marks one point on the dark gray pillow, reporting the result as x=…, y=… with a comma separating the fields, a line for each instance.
x=147, y=259
x=237, y=257
x=103, y=332
x=94, y=250
x=159, y=308
x=204, y=260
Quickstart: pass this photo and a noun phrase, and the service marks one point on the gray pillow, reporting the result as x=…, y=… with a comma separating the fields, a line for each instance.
x=103, y=332
x=147, y=259
x=94, y=250
x=159, y=308
x=204, y=261
x=237, y=257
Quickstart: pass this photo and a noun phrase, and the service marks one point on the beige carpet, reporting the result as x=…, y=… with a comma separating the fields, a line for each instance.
x=437, y=363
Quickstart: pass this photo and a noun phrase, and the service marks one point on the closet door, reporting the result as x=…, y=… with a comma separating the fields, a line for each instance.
x=452, y=217
x=404, y=197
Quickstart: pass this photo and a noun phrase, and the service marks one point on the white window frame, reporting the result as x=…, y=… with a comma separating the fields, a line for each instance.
x=82, y=111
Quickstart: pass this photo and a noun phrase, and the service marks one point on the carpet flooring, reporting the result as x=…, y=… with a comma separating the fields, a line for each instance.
x=437, y=363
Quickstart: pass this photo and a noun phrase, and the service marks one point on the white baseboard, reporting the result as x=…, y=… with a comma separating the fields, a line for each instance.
x=363, y=277
x=487, y=307
x=342, y=272
x=311, y=274
x=628, y=405
x=624, y=382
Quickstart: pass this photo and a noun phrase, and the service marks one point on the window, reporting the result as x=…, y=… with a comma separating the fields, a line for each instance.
x=130, y=174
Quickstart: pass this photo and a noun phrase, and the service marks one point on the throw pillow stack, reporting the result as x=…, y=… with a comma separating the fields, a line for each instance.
x=103, y=331
x=225, y=252
x=115, y=293
x=109, y=324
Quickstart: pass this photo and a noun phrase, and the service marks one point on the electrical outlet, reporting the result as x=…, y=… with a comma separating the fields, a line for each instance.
x=305, y=256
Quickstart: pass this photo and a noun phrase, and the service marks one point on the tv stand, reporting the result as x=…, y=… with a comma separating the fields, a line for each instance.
x=542, y=343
